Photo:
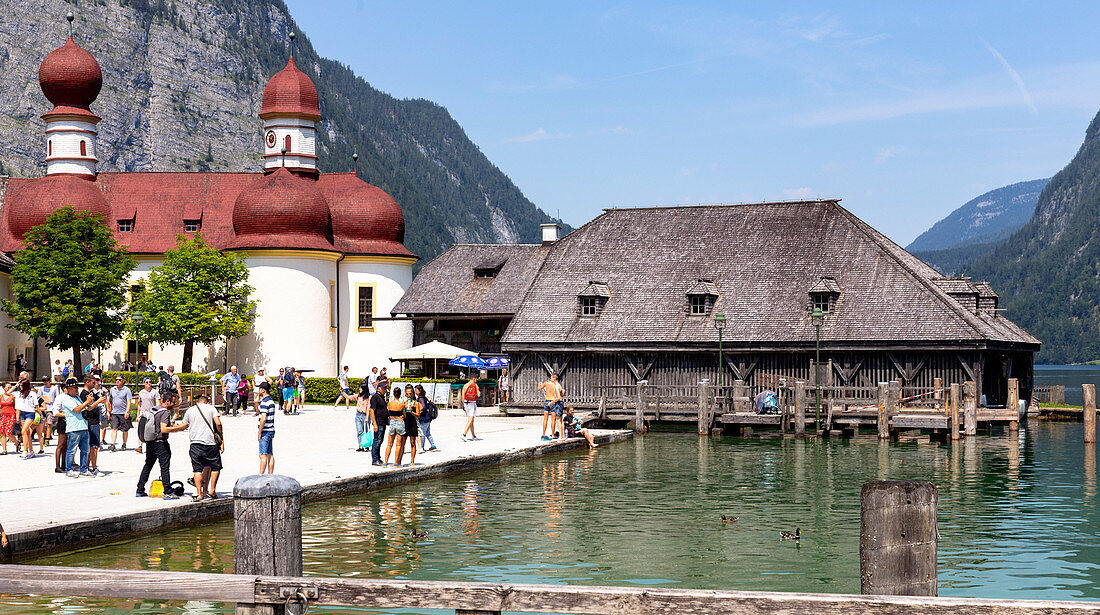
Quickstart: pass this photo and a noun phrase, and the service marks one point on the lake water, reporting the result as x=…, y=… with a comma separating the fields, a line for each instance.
x=1071, y=376
x=1018, y=519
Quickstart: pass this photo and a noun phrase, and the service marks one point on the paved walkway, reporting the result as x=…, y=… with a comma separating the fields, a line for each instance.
x=315, y=447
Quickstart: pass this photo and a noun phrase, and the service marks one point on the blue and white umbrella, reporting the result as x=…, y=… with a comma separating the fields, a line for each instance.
x=471, y=361
x=496, y=363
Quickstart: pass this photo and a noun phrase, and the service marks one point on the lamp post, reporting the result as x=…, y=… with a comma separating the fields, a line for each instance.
x=720, y=323
x=817, y=317
x=138, y=319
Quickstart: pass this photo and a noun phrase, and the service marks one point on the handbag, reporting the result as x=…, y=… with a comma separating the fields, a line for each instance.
x=217, y=435
x=366, y=439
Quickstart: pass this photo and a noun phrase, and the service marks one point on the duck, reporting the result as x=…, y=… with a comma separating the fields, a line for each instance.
x=416, y=534
x=797, y=535
x=726, y=519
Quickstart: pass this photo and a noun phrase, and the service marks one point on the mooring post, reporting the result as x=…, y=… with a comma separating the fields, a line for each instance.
x=740, y=392
x=267, y=531
x=639, y=407
x=937, y=394
x=883, y=417
x=799, y=407
x=704, y=410
x=953, y=410
x=1088, y=409
x=897, y=538
x=893, y=406
x=1014, y=405
x=970, y=409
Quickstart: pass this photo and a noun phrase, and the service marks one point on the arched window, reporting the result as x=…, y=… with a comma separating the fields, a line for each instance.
x=286, y=144
x=83, y=148
x=49, y=147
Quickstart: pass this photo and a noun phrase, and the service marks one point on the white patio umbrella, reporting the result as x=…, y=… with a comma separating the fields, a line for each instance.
x=433, y=351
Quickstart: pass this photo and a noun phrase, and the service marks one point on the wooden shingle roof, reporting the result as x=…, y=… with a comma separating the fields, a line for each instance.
x=764, y=258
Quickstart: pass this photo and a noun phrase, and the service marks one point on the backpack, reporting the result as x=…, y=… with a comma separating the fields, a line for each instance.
x=472, y=393
x=288, y=378
x=433, y=410
x=166, y=386
x=148, y=430
x=771, y=404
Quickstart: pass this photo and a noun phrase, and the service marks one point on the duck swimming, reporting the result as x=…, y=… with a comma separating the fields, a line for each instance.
x=416, y=534
x=797, y=535
x=726, y=519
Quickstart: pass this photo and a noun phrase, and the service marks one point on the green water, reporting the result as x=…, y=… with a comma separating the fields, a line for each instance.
x=1018, y=519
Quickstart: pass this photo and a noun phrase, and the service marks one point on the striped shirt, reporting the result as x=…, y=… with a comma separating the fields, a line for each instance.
x=267, y=409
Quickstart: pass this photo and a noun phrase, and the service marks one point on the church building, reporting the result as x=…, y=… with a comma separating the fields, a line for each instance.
x=325, y=251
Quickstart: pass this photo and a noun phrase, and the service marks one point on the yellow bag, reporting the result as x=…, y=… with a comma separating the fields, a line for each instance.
x=156, y=490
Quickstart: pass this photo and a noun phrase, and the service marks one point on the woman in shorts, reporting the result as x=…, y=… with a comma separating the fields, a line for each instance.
x=26, y=403
x=300, y=395
x=395, y=430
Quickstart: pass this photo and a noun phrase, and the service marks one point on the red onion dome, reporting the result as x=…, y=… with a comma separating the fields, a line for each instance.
x=282, y=210
x=365, y=219
x=70, y=76
x=290, y=92
x=29, y=203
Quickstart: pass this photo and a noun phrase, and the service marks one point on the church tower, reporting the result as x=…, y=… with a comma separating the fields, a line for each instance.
x=290, y=112
x=71, y=79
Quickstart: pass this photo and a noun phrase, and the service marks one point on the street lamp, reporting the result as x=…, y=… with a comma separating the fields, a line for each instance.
x=138, y=319
x=719, y=323
x=817, y=318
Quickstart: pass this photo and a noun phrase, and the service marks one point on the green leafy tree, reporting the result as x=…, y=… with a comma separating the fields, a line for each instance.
x=69, y=282
x=197, y=295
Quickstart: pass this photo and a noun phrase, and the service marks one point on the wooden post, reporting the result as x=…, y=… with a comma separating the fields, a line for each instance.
x=1089, y=412
x=267, y=531
x=938, y=395
x=704, y=410
x=953, y=410
x=970, y=409
x=799, y=407
x=639, y=407
x=893, y=406
x=1013, y=404
x=897, y=538
x=602, y=411
x=739, y=391
x=883, y=416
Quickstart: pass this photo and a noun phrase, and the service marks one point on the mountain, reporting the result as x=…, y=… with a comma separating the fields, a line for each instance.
x=989, y=218
x=1048, y=272
x=182, y=82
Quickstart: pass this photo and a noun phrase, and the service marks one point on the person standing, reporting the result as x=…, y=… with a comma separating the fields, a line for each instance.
x=261, y=376
x=204, y=429
x=412, y=421
x=48, y=392
x=243, y=387
x=469, y=396
x=286, y=387
x=156, y=448
x=505, y=383
x=372, y=380
x=122, y=398
x=426, y=419
x=230, y=382
x=7, y=417
x=148, y=398
x=26, y=401
x=93, y=392
x=379, y=421
x=266, y=434
x=57, y=370
x=395, y=427
x=362, y=416
x=552, y=407
x=345, y=389
x=300, y=395
x=76, y=428
x=176, y=384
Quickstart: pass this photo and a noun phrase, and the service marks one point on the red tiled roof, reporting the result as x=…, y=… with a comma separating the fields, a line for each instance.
x=158, y=204
x=70, y=77
x=282, y=210
x=290, y=91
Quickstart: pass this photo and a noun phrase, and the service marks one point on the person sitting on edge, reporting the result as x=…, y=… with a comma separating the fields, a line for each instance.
x=573, y=428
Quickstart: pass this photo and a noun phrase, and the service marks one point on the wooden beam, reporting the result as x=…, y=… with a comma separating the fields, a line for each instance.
x=137, y=584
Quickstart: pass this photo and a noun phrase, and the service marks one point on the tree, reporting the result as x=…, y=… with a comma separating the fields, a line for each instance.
x=69, y=283
x=197, y=295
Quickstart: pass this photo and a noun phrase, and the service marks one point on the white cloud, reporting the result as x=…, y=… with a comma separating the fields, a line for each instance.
x=618, y=130
x=885, y=153
x=1015, y=77
x=538, y=135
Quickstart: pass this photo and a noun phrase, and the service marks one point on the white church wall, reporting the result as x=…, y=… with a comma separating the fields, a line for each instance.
x=363, y=349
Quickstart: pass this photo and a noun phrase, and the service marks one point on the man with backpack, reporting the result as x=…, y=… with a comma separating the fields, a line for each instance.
x=288, y=386
x=469, y=396
x=204, y=429
x=153, y=429
x=147, y=398
x=230, y=382
x=428, y=413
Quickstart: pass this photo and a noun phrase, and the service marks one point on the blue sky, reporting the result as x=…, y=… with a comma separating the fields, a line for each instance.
x=903, y=111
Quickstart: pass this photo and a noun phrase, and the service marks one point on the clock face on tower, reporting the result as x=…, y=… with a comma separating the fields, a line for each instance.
x=271, y=138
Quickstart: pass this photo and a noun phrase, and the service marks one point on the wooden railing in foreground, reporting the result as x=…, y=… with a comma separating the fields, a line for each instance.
x=469, y=598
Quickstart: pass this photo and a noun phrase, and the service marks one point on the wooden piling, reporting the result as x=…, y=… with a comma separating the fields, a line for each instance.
x=704, y=408
x=639, y=406
x=1089, y=412
x=953, y=411
x=740, y=393
x=970, y=409
x=1014, y=404
x=938, y=395
x=897, y=538
x=267, y=531
x=883, y=412
x=800, y=407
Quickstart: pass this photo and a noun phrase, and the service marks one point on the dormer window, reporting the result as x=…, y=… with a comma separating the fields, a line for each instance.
x=192, y=226
x=489, y=268
x=591, y=300
x=126, y=226
x=702, y=297
x=823, y=295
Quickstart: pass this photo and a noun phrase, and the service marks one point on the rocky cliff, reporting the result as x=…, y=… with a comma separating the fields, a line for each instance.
x=182, y=82
x=989, y=218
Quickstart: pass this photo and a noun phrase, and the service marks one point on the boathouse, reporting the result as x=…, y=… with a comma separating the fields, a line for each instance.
x=640, y=294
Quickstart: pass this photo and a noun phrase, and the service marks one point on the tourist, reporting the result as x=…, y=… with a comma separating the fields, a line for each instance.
x=379, y=421
x=243, y=387
x=92, y=392
x=469, y=396
x=345, y=389
x=7, y=417
x=383, y=381
x=504, y=383
x=261, y=376
x=177, y=386
x=20, y=364
x=572, y=428
x=204, y=429
x=426, y=419
x=57, y=369
x=148, y=398
x=76, y=428
x=26, y=402
x=372, y=380
x=230, y=383
x=97, y=369
x=552, y=408
x=66, y=371
x=362, y=416
x=412, y=421
x=266, y=434
x=157, y=449
x=122, y=398
x=287, y=386
x=300, y=394
x=47, y=394
x=395, y=427
x=61, y=453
